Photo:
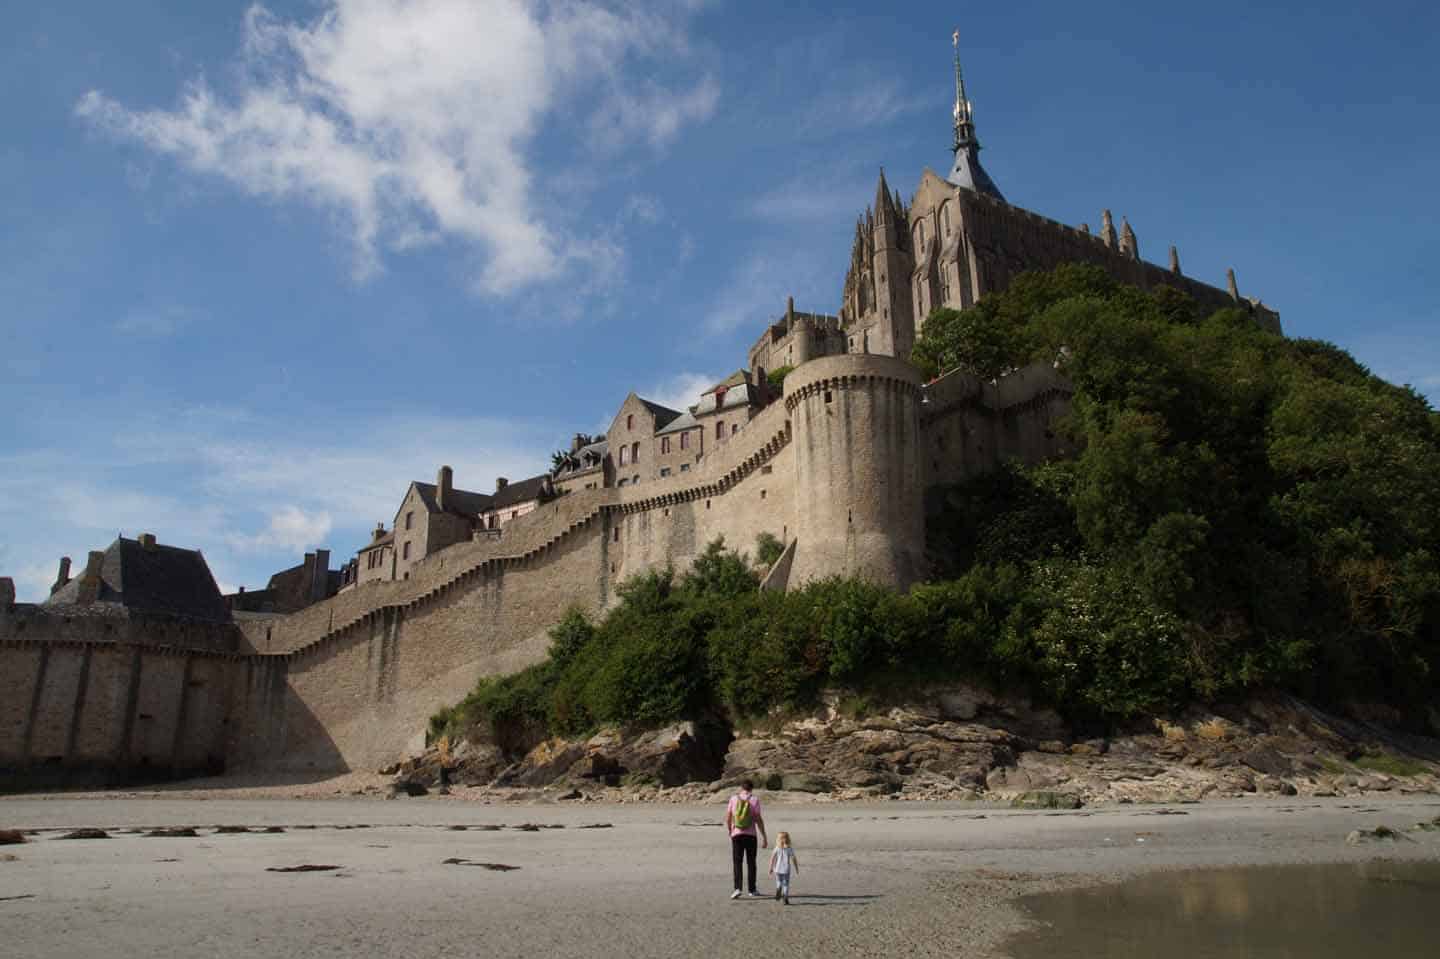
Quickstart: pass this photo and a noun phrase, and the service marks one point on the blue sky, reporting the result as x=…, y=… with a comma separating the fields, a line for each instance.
x=263, y=265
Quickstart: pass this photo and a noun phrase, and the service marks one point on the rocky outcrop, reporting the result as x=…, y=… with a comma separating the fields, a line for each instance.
x=963, y=742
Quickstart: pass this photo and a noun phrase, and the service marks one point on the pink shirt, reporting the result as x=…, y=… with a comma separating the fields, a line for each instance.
x=754, y=814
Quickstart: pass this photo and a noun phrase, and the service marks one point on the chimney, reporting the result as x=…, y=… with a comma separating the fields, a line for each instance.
x=147, y=540
x=379, y=533
x=500, y=483
x=1230, y=284
x=89, y=589
x=320, y=578
x=444, y=488
x=1174, y=261
x=577, y=441
x=63, y=577
x=7, y=592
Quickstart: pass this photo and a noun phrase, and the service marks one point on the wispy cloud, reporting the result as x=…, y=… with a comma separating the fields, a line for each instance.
x=252, y=503
x=681, y=390
x=755, y=295
x=413, y=119
x=158, y=322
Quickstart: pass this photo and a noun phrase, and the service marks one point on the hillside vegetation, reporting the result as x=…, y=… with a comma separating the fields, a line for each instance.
x=1248, y=512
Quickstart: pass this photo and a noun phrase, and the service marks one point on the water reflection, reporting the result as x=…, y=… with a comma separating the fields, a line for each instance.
x=1275, y=911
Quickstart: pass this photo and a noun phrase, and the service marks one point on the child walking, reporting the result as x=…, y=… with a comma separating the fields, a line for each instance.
x=783, y=862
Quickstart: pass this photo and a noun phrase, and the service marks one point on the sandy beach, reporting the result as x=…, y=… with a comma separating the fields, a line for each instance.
x=925, y=879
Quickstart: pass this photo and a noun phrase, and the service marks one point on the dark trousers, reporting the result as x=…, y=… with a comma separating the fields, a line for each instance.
x=743, y=846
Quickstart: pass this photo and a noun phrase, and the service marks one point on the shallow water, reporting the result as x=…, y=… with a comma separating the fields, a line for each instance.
x=1315, y=912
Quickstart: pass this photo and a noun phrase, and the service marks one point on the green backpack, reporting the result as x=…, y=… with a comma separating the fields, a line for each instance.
x=742, y=812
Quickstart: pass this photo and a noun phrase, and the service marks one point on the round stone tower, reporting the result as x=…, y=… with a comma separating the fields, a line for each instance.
x=859, y=510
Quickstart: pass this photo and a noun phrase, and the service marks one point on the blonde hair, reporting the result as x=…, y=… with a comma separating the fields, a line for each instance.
x=782, y=839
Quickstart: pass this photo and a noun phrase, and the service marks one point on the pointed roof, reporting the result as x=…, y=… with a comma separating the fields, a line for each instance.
x=967, y=171
x=884, y=205
x=153, y=579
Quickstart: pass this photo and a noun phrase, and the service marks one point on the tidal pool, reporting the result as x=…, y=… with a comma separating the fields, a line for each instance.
x=1315, y=912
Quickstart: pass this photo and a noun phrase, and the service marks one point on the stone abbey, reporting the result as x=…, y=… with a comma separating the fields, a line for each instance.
x=138, y=668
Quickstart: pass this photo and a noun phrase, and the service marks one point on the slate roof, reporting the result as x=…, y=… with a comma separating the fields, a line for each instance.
x=685, y=421
x=387, y=540
x=161, y=579
x=522, y=491
x=462, y=501
x=663, y=414
x=729, y=399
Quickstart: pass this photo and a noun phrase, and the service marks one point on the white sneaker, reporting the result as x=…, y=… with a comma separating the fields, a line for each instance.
x=735, y=894
x=753, y=895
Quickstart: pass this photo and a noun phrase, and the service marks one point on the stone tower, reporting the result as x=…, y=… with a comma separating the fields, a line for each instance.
x=876, y=313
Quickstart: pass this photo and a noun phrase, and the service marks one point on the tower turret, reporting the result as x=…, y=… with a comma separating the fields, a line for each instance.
x=1107, y=229
x=1129, y=246
x=967, y=171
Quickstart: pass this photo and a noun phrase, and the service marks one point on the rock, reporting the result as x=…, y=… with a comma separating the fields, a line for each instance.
x=1265, y=759
x=86, y=833
x=1288, y=789
x=11, y=837
x=1378, y=834
x=572, y=794
x=805, y=783
x=408, y=787
x=1046, y=800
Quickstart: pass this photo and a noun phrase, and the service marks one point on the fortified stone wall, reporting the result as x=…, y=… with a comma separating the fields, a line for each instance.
x=97, y=713
x=112, y=623
x=970, y=426
x=836, y=471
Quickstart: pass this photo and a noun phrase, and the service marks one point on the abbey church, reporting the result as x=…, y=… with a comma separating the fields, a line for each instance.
x=138, y=669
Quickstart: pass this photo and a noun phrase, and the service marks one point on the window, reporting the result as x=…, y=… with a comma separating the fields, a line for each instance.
x=406, y=554
x=827, y=396
x=734, y=428
x=634, y=452
x=617, y=534
x=624, y=452
x=720, y=429
x=945, y=217
x=514, y=513
x=685, y=440
x=630, y=421
x=762, y=494
x=684, y=467
x=664, y=444
x=664, y=471
x=409, y=519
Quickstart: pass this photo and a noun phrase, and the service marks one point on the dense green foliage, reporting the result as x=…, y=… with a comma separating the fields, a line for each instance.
x=768, y=549
x=776, y=378
x=1246, y=511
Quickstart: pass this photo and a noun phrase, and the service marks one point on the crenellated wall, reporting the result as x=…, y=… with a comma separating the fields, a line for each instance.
x=836, y=470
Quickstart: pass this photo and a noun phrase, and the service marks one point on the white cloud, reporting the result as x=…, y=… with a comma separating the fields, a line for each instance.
x=860, y=102
x=250, y=502
x=412, y=120
x=681, y=390
x=290, y=528
x=823, y=198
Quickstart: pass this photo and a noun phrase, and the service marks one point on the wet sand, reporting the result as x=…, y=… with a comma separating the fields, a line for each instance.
x=882, y=878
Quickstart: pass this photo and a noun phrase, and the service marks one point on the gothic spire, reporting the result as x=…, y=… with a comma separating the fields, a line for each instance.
x=967, y=171
x=884, y=203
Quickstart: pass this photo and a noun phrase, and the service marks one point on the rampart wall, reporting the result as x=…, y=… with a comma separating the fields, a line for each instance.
x=78, y=712
x=836, y=470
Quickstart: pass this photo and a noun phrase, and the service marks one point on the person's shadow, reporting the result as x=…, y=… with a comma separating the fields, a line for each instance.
x=808, y=899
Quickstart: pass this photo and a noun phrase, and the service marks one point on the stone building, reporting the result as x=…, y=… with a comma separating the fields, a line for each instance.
x=510, y=501
x=958, y=240
x=586, y=466
x=632, y=439
x=432, y=517
x=291, y=589
x=375, y=561
x=145, y=577
x=797, y=338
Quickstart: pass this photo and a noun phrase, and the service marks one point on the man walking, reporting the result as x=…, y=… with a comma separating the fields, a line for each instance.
x=742, y=819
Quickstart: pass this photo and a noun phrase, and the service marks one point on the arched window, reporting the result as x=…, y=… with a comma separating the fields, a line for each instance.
x=919, y=235
x=945, y=217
